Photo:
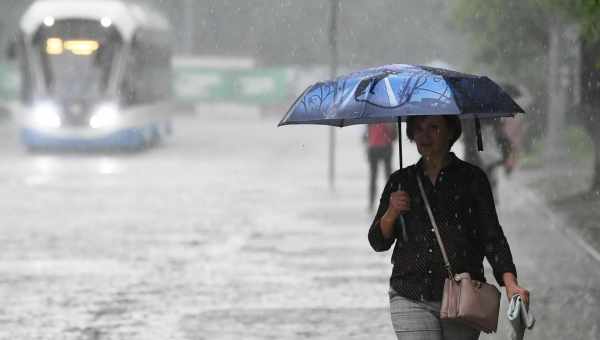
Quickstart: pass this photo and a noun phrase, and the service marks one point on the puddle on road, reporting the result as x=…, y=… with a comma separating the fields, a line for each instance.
x=62, y=267
x=292, y=323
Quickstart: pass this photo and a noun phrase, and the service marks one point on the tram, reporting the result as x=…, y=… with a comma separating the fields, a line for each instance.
x=94, y=73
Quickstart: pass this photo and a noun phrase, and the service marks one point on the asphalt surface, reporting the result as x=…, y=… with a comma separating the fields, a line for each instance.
x=230, y=231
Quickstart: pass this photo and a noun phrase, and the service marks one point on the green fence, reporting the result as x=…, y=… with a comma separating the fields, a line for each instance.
x=255, y=86
x=9, y=82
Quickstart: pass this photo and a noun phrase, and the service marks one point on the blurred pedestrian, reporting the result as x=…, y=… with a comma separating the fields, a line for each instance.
x=503, y=146
x=462, y=203
x=379, y=139
x=513, y=129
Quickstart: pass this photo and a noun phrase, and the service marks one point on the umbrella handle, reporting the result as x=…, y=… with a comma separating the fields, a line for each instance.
x=402, y=221
x=400, y=141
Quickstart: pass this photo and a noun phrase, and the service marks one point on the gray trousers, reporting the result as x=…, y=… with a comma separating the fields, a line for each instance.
x=420, y=320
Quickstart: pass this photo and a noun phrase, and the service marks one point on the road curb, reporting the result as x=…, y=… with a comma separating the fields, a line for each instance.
x=552, y=216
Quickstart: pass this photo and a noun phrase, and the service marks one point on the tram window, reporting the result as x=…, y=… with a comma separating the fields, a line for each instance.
x=77, y=57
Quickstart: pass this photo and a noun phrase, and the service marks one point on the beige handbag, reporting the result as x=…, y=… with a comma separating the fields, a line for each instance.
x=472, y=302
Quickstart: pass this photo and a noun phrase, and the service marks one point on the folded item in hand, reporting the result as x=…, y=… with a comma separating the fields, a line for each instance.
x=520, y=317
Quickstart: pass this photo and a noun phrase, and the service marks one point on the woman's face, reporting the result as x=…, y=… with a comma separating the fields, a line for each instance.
x=432, y=136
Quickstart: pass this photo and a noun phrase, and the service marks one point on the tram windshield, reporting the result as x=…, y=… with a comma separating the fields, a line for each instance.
x=77, y=57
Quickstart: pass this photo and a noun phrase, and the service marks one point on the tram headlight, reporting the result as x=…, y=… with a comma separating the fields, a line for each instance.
x=104, y=116
x=49, y=21
x=106, y=22
x=45, y=114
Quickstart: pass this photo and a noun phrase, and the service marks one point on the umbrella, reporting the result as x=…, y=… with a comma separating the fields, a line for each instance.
x=391, y=93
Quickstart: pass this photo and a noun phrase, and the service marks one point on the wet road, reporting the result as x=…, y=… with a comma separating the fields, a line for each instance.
x=229, y=231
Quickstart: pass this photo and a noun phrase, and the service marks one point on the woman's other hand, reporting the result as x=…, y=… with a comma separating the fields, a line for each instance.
x=512, y=287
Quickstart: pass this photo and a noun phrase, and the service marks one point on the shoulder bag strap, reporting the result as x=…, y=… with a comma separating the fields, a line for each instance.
x=435, y=227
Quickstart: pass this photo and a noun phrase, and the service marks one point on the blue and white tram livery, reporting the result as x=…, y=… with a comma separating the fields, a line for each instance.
x=94, y=74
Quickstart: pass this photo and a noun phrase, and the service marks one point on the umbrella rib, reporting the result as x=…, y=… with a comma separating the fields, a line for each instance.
x=442, y=94
x=390, y=92
x=350, y=95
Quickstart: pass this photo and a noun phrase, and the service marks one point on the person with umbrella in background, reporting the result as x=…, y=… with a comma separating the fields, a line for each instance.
x=431, y=101
x=379, y=138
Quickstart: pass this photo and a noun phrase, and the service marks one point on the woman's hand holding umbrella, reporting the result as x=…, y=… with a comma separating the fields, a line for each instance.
x=399, y=204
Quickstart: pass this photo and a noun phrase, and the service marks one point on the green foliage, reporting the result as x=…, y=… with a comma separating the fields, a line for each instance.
x=505, y=32
x=585, y=12
x=579, y=143
x=508, y=33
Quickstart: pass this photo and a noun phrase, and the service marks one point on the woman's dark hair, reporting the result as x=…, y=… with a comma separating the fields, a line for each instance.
x=452, y=121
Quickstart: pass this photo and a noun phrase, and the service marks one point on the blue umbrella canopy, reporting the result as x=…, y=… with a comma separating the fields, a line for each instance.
x=394, y=92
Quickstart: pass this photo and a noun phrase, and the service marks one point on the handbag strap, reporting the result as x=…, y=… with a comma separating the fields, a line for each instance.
x=435, y=227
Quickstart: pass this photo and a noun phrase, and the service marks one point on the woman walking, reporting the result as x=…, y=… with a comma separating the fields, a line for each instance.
x=461, y=200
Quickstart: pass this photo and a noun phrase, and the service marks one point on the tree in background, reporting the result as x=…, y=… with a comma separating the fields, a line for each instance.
x=514, y=36
x=510, y=36
x=289, y=32
x=587, y=14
